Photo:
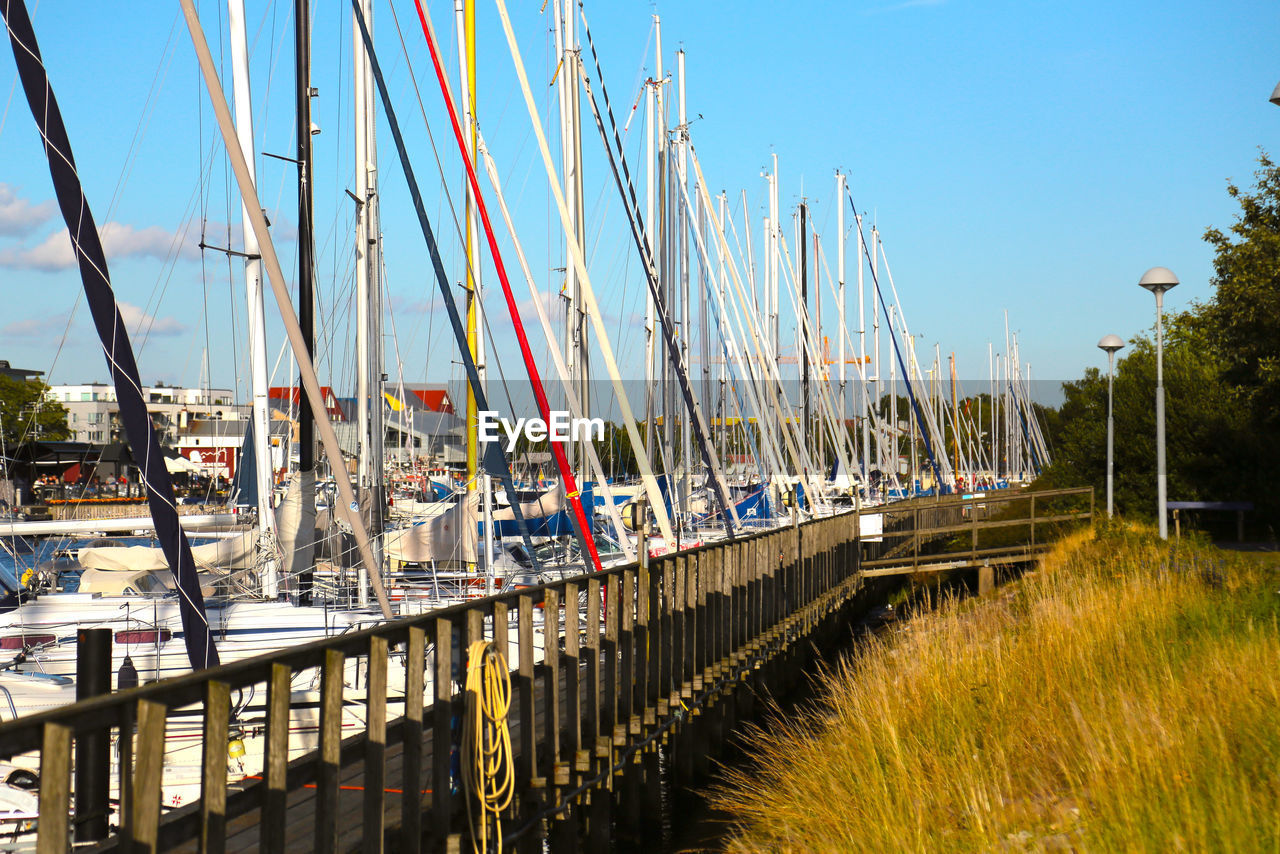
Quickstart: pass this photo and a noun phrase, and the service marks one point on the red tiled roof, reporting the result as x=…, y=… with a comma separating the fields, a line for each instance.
x=291, y=395
x=435, y=399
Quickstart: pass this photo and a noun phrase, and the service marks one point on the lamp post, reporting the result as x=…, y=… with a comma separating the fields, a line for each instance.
x=1110, y=344
x=1158, y=280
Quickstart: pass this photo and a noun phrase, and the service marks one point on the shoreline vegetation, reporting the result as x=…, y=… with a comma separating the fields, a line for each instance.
x=1122, y=697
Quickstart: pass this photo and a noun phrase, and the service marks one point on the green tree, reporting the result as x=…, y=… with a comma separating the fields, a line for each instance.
x=1243, y=320
x=1209, y=441
x=27, y=413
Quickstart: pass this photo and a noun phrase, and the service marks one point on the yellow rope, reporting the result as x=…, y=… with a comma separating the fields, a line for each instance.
x=487, y=768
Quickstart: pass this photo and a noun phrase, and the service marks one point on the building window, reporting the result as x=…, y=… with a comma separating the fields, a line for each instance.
x=84, y=395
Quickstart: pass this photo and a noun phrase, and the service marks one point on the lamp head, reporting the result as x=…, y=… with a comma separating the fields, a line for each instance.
x=1158, y=280
x=1110, y=343
x=1275, y=95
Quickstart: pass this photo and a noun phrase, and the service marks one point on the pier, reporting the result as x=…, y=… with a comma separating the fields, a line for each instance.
x=653, y=665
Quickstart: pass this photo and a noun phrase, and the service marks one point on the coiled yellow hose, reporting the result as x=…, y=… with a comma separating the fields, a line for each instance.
x=487, y=768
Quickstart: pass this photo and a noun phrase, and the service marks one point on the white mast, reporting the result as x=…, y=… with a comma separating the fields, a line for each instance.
x=724, y=360
x=991, y=374
x=651, y=236
x=772, y=249
x=875, y=341
x=261, y=413
x=682, y=163
x=364, y=358
x=862, y=355
x=844, y=403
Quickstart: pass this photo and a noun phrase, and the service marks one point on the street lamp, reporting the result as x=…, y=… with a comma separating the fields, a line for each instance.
x=1275, y=95
x=1110, y=344
x=1158, y=280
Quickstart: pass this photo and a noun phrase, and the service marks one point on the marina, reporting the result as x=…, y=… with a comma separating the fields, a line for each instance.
x=512, y=588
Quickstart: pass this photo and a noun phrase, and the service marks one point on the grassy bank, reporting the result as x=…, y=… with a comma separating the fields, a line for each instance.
x=1124, y=697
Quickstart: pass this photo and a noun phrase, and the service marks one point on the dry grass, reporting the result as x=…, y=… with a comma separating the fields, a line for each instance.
x=1126, y=697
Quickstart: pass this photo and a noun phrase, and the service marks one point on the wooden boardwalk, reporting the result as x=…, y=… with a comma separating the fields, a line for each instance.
x=658, y=662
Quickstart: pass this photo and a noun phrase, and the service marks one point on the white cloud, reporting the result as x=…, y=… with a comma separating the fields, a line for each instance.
x=19, y=216
x=118, y=241
x=36, y=327
x=137, y=322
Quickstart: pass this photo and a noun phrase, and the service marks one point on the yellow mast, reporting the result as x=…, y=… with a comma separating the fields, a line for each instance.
x=473, y=334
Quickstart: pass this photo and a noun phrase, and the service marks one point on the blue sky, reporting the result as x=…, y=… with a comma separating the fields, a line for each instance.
x=1034, y=157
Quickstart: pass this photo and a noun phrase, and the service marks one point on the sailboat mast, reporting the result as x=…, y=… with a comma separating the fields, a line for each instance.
x=363, y=391
x=302, y=565
x=862, y=355
x=477, y=481
x=260, y=412
x=371, y=474
x=955, y=422
x=802, y=310
x=580, y=319
x=774, y=229
x=844, y=401
x=686, y=328
x=651, y=234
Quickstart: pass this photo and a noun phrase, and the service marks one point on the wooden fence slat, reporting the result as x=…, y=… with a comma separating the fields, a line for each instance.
x=609, y=654
x=213, y=783
x=627, y=647
x=527, y=759
x=678, y=626
x=375, y=746
x=551, y=677
x=442, y=740
x=411, y=741
x=591, y=654
x=54, y=832
x=276, y=758
x=572, y=700
x=148, y=776
x=331, y=697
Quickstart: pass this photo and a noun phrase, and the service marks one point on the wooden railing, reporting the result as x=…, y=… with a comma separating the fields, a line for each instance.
x=638, y=661
x=972, y=529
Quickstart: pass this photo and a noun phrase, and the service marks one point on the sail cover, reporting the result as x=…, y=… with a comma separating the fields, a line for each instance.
x=111, y=331
x=448, y=536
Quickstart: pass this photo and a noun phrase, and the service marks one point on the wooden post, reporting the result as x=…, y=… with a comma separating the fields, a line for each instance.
x=329, y=755
x=55, y=789
x=442, y=735
x=213, y=784
x=148, y=777
x=375, y=746
x=275, y=762
x=411, y=741
x=93, y=747
x=986, y=579
x=1033, y=521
